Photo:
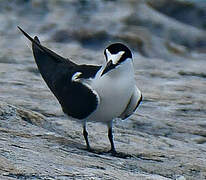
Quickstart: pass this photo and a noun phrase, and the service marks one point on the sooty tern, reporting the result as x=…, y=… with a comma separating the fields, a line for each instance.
x=88, y=92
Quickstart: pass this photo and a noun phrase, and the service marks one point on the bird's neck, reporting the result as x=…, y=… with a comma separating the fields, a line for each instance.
x=124, y=69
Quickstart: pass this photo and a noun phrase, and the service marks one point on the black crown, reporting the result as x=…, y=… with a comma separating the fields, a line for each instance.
x=117, y=47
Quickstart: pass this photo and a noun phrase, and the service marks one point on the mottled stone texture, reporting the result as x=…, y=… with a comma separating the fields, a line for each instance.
x=164, y=139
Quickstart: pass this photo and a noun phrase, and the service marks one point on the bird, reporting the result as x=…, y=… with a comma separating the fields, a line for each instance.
x=95, y=93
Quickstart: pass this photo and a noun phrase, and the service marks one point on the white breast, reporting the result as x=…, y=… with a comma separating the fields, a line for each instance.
x=115, y=89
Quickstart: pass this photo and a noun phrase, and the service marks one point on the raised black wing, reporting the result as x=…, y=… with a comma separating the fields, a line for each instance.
x=77, y=100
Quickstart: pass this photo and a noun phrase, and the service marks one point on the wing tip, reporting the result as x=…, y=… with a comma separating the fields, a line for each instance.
x=36, y=44
x=36, y=39
x=33, y=40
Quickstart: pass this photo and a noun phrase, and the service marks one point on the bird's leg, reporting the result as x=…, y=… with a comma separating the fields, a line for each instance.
x=110, y=136
x=85, y=133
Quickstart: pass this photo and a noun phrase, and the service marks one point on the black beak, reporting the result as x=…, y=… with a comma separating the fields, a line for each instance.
x=108, y=67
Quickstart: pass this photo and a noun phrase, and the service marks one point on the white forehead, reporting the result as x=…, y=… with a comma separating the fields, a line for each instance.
x=114, y=57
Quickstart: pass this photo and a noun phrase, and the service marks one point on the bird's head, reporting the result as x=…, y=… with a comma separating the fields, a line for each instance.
x=116, y=55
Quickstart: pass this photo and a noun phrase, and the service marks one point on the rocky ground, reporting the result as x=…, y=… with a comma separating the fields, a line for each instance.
x=164, y=139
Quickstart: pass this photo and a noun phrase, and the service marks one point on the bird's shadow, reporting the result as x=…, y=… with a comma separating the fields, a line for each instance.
x=105, y=153
x=108, y=153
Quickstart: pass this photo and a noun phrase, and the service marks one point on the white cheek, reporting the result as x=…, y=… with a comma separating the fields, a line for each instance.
x=114, y=57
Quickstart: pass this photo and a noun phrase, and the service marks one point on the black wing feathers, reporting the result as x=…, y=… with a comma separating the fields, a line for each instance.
x=50, y=53
x=76, y=99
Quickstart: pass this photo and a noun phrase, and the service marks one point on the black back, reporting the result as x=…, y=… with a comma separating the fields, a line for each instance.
x=76, y=99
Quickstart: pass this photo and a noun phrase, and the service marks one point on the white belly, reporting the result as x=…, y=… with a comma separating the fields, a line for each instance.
x=115, y=90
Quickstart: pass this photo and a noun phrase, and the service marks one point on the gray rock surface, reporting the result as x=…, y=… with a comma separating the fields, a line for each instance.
x=164, y=139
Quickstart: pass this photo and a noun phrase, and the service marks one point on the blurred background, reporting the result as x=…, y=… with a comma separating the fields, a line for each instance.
x=168, y=41
x=167, y=38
